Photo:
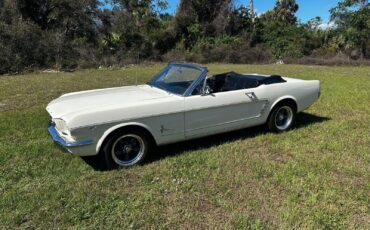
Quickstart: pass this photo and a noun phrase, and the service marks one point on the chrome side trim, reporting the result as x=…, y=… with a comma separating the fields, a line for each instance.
x=224, y=123
x=228, y=104
x=58, y=139
x=127, y=120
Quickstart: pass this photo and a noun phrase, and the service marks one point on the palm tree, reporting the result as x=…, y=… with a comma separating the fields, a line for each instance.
x=252, y=9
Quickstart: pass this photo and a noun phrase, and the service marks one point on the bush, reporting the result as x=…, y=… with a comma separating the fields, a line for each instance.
x=221, y=49
x=250, y=55
x=328, y=60
x=22, y=47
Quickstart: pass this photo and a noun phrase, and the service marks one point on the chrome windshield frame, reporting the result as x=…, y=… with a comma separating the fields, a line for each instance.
x=189, y=90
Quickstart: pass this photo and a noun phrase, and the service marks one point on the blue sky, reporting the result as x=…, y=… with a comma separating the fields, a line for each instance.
x=307, y=8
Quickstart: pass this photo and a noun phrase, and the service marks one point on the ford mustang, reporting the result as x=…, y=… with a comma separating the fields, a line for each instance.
x=182, y=102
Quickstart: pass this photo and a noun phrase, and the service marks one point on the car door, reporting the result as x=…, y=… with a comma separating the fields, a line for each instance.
x=222, y=111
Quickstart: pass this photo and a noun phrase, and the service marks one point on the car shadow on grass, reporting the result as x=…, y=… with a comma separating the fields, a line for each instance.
x=302, y=120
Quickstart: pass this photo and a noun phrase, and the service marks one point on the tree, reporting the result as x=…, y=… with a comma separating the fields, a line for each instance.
x=239, y=21
x=209, y=16
x=137, y=25
x=353, y=20
x=314, y=23
x=251, y=9
x=36, y=10
x=281, y=31
x=73, y=18
x=284, y=11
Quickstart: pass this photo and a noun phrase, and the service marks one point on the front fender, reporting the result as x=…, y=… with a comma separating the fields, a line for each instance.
x=115, y=127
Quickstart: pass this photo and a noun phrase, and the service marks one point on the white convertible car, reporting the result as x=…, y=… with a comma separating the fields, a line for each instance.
x=123, y=124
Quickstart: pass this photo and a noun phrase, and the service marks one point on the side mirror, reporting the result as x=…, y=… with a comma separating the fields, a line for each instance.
x=206, y=90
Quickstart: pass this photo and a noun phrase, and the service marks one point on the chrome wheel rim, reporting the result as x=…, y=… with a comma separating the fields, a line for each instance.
x=128, y=149
x=284, y=118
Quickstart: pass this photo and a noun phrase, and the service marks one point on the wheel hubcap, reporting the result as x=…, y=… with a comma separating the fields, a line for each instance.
x=284, y=118
x=128, y=149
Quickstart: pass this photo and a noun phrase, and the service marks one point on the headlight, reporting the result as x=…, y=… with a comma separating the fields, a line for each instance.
x=61, y=126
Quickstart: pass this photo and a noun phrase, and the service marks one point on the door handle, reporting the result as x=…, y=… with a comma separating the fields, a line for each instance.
x=251, y=96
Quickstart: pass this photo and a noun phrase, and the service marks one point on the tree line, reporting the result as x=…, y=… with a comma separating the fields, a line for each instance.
x=67, y=34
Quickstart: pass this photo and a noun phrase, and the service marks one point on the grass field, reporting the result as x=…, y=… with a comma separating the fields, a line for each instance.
x=315, y=176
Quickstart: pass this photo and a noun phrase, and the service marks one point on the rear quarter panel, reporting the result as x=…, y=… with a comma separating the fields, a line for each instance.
x=303, y=92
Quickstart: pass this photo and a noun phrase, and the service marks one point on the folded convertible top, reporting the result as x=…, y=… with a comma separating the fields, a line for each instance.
x=253, y=79
x=235, y=81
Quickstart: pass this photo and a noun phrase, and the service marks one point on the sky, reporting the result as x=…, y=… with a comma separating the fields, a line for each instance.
x=308, y=9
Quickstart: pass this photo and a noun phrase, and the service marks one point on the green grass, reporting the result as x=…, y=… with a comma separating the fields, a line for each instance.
x=315, y=176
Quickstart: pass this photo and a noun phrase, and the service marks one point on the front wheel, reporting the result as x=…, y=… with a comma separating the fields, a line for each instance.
x=126, y=148
x=282, y=118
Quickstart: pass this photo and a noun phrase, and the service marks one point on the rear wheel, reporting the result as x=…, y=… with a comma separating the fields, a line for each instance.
x=126, y=148
x=282, y=118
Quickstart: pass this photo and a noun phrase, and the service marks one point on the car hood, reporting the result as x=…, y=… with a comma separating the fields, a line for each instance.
x=103, y=98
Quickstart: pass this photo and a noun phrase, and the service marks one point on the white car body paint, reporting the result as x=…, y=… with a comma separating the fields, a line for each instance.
x=92, y=115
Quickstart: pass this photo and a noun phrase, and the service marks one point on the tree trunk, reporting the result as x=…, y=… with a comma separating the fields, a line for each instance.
x=251, y=9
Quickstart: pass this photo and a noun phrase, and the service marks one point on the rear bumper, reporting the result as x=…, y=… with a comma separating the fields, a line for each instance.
x=58, y=139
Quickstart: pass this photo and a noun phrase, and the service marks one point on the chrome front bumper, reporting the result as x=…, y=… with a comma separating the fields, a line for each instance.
x=58, y=139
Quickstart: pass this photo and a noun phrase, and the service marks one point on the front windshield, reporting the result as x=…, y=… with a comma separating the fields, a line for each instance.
x=176, y=78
